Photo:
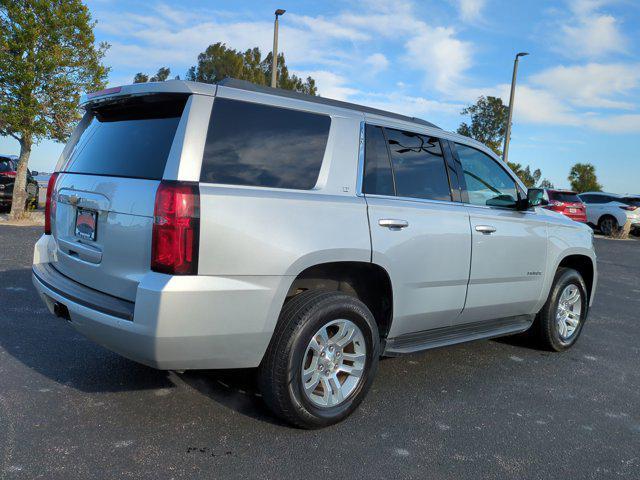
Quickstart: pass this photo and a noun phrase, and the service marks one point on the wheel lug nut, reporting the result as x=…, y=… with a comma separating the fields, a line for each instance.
x=322, y=354
x=321, y=368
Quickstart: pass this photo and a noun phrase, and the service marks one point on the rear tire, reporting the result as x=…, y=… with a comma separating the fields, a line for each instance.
x=608, y=225
x=559, y=324
x=293, y=361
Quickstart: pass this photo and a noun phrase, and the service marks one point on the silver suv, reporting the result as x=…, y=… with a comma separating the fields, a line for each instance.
x=194, y=226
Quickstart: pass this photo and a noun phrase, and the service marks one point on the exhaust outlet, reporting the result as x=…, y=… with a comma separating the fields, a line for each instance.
x=61, y=311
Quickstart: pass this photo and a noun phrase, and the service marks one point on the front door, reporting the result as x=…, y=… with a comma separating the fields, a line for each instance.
x=509, y=247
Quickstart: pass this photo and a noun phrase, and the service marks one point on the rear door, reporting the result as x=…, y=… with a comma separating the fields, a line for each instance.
x=509, y=247
x=418, y=233
x=105, y=192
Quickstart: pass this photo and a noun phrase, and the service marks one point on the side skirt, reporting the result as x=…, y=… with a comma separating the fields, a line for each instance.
x=443, y=336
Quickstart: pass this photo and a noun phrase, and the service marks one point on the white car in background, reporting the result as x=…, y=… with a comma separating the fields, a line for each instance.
x=610, y=211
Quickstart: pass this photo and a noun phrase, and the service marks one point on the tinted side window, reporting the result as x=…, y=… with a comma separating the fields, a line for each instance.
x=586, y=198
x=418, y=166
x=377, y=167
x=264, y=146
x=488, y=184
x=598, y=199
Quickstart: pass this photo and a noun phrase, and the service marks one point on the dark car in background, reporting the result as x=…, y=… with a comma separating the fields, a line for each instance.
x=8, y=167
x=566, y=202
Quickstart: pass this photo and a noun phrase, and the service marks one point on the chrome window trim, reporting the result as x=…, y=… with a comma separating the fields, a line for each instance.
x=414, y=199
x=360, y=173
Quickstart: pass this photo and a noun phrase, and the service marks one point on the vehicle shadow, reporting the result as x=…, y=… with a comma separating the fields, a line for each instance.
x=236, y=389
x=51, y=347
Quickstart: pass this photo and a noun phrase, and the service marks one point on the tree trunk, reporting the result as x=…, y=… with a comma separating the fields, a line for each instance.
x=622, y=233
x=18, y=203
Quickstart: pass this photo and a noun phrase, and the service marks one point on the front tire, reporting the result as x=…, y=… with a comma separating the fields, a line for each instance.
x=322, y=359
x=560, y=322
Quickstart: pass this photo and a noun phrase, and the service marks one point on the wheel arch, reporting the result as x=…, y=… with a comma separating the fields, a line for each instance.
x=585, y=266
x=369, y=282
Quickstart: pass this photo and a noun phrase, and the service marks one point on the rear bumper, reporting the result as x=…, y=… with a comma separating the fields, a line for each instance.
x=175, y=323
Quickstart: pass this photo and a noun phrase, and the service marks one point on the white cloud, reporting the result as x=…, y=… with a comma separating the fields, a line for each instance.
x=330, y=85
x=590, y=33
x=592, y=85
x=470, y=10
x=378, y=62
x=442, y=56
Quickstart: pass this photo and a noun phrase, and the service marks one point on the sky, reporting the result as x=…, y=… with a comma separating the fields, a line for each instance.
x=577, y=97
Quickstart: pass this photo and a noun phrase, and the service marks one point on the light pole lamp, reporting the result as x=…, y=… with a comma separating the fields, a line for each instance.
x=507, y=133
x=274, y=67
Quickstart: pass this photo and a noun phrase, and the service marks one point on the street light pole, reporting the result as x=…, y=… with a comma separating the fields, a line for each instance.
x=274, y=67
x=507, y=133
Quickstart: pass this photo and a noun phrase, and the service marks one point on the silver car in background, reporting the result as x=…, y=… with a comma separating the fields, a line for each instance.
x=194, y=226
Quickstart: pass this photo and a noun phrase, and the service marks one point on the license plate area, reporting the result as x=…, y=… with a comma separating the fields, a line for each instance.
x=86, y=224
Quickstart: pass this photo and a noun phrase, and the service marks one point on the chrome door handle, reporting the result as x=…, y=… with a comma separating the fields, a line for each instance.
x=485, y=229
x=393, y=223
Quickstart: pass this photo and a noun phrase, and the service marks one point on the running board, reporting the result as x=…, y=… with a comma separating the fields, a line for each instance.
x=440, y=337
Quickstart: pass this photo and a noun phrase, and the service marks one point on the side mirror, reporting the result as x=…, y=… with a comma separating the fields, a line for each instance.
x=535, y=197
x=34, y=173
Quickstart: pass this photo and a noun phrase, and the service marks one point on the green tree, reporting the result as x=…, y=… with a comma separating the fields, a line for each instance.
x=47, y=56
x=529, y=178
x=583, y=178
x=488, y=126
x=546, y=184
x=162, y=74
x=218, y=62
x=140, y=78
x=488, y=122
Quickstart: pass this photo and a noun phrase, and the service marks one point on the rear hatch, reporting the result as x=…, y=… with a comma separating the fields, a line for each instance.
x=103, y=207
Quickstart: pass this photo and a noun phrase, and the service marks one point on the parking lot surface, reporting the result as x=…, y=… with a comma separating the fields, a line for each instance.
x=69, y=409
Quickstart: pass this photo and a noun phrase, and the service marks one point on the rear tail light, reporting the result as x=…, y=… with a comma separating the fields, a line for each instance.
x=49, y=207
x=176, y=228
x=629, y=208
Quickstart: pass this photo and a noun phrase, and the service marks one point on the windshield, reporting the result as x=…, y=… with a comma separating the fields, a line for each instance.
x=6, y=165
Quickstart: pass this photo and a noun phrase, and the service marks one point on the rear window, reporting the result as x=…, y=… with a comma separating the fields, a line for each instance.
x=633, y=201
x=264, y=146
x=131, y=138
x=566, y=197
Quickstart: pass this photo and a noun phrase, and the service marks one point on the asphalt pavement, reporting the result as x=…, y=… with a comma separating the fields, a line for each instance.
x=70, y=409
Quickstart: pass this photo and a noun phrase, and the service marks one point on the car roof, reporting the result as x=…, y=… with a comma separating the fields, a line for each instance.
x=616, y=195
x=556, y=190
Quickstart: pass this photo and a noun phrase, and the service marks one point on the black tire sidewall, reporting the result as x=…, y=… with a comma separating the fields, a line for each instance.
x=565, y=278
x=345, y=308
x=614, y=225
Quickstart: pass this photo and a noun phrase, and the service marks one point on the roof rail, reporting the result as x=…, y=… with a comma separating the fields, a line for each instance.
x=252, y=87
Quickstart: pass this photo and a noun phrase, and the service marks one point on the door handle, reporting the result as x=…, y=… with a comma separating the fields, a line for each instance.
x=393, y=223
x=485, y=229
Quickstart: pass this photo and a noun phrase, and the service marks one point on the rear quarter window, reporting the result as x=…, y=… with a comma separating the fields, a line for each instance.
x=129, y=138
x=259, y=145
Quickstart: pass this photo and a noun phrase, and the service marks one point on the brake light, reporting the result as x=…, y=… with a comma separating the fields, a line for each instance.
x=629, y=208
x=49, y=208
x=176, y=228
